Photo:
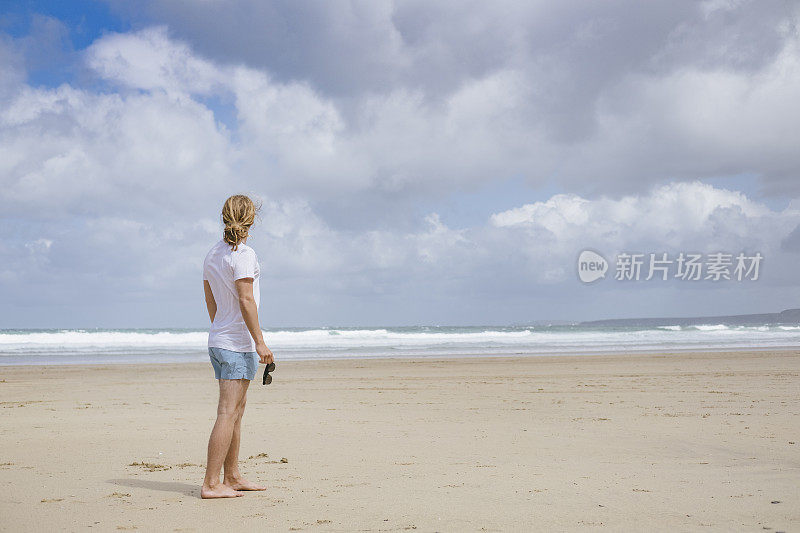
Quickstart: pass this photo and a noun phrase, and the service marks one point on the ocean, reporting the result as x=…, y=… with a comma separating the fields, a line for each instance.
x=101, y=346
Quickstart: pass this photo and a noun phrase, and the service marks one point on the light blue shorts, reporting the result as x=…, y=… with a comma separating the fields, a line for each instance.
x=233, y=365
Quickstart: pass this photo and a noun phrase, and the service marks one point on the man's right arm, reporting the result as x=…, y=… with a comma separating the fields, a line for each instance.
x=247, y=304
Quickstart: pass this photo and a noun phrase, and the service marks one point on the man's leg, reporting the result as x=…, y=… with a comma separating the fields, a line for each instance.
x=230, y=394
x=232, y=476
x=231, y=465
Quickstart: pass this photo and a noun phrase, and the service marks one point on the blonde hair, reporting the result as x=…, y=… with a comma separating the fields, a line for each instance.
x=238, y=214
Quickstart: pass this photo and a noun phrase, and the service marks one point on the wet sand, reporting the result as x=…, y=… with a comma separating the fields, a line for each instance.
x=689, y=442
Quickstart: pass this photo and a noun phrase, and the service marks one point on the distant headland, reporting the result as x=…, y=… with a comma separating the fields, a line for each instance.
x=789, y=316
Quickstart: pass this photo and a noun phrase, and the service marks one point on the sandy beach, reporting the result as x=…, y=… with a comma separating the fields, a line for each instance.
x=668, y=442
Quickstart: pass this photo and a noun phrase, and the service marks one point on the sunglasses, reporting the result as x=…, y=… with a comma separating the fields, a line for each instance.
x=267, y=369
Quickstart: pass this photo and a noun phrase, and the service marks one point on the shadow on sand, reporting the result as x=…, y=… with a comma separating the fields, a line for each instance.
x=166, y=486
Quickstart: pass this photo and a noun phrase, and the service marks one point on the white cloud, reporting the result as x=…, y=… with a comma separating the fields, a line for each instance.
x=299, y=140
x=150, y=60
x=67, y=149
x=670, y=218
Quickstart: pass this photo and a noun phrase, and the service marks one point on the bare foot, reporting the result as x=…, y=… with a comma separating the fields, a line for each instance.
x=243, y=484
x=220, y=491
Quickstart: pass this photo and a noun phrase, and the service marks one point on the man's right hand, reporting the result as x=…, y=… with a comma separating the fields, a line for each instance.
x=264, y=354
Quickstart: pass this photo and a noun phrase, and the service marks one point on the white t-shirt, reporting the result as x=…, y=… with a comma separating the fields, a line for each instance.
x=221, y=268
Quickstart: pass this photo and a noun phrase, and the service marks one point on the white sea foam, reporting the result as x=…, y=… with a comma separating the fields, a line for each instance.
x=706, y=327
x=87, y=346
x=101, y=339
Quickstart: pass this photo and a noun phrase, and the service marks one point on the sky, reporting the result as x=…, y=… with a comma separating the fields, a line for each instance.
x=417, y=162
